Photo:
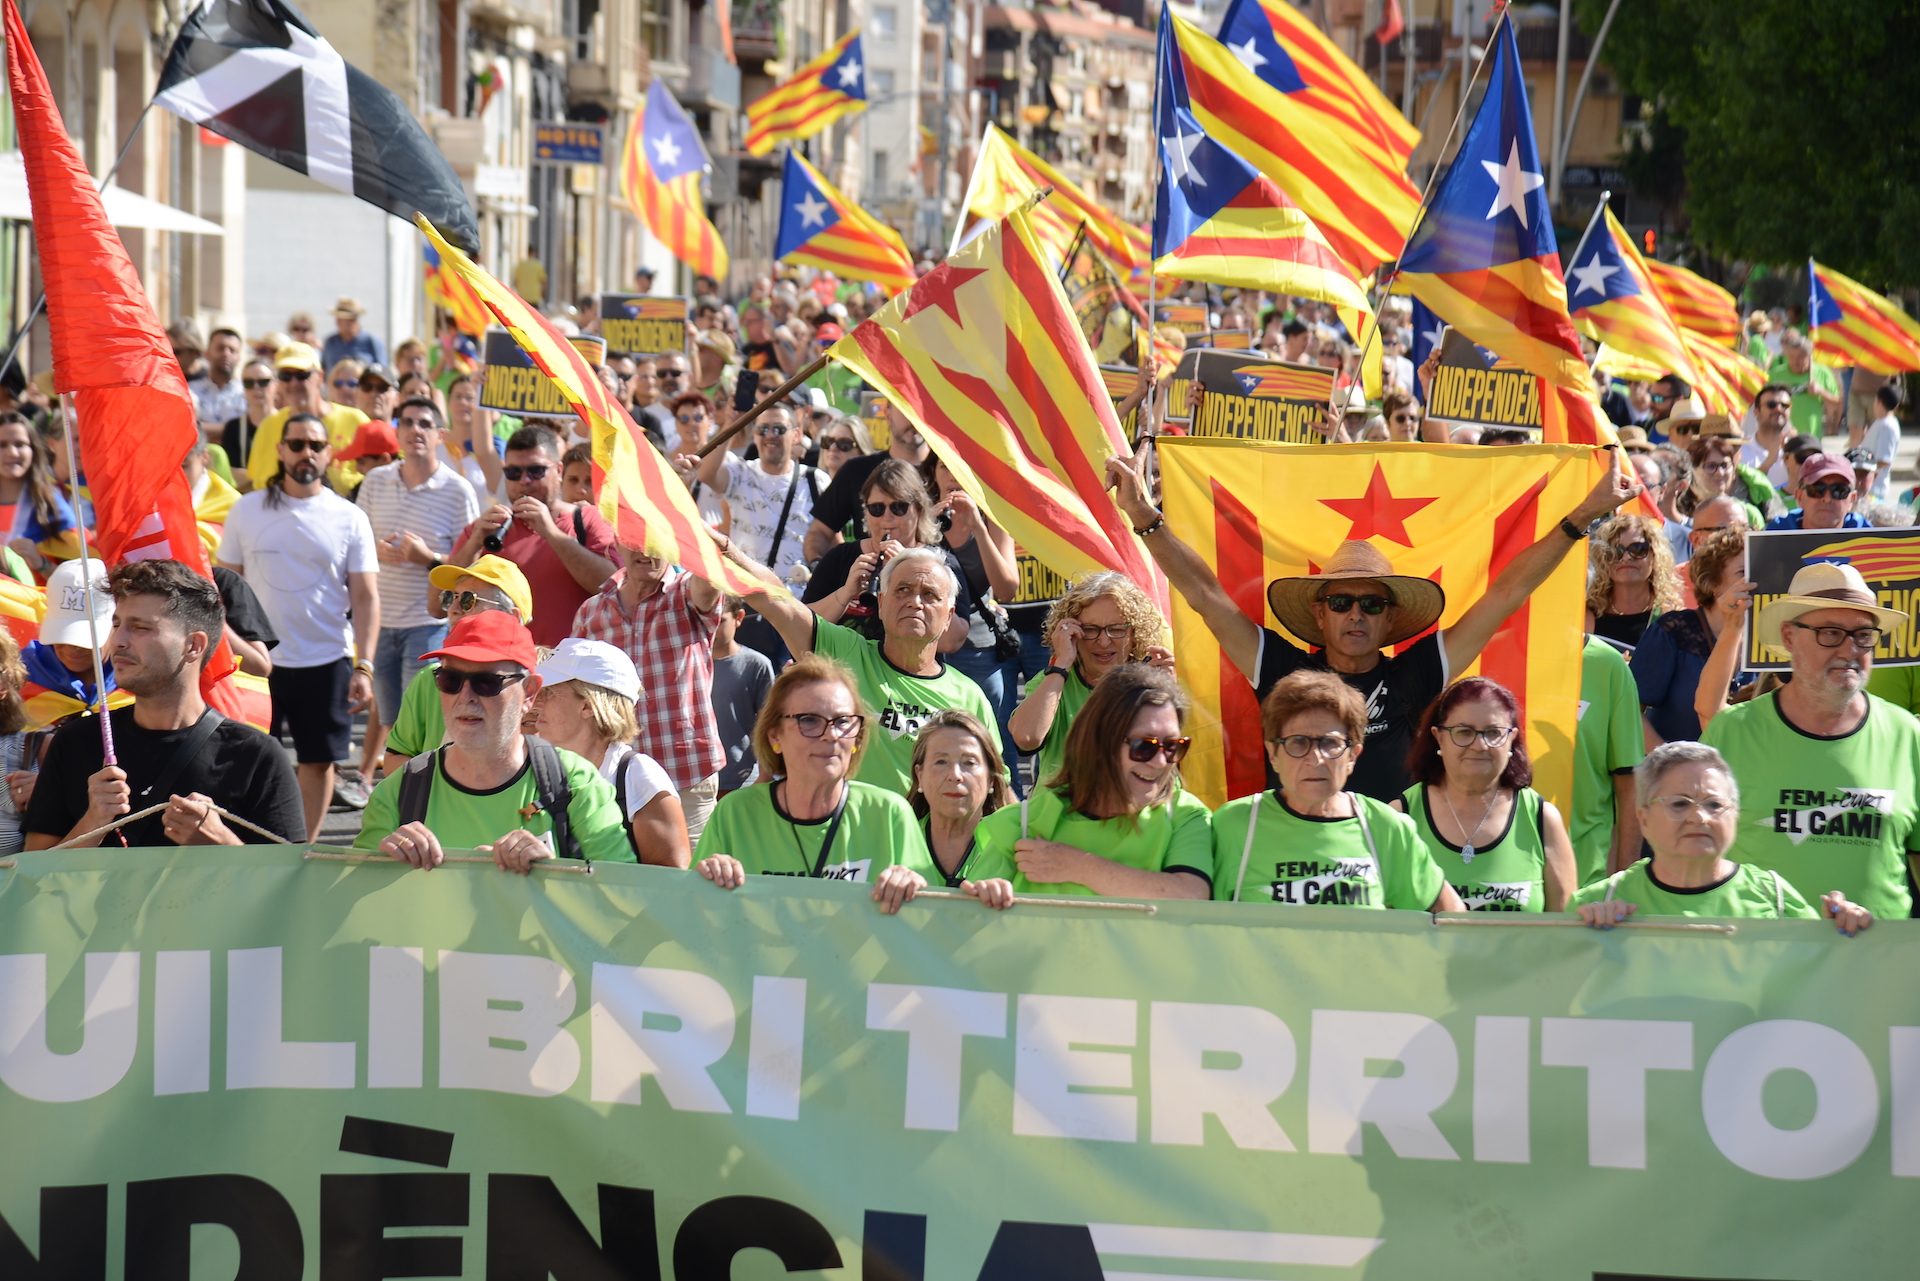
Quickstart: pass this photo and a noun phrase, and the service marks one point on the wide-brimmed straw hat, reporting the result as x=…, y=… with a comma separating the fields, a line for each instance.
x=1822, y=585
x=1419, y=602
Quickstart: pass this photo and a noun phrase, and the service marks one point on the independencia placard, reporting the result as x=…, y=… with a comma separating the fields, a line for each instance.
x=645, y=325
x=1251, y=398
x=243, y=1058
x=1889, y=559
x=1474, y=386
x=514, y=384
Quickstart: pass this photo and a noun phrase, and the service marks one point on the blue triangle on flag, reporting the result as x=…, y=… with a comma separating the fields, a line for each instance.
x=1427, y=329
x=1248, y=34
x=668, y=137
x=1822, y=307
x=848, y=73
x=805, y=211
x=1199, y=175
x=1597, y=272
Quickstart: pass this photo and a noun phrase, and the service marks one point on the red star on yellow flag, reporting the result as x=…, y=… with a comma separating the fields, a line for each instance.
x=1378, y=511
x=935, y=289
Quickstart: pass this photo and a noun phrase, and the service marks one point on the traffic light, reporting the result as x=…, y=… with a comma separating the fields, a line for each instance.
x=1650, y=241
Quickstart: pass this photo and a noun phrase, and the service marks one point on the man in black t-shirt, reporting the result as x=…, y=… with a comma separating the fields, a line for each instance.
x=840, y=501
x=1356, y=609
x=166, y=621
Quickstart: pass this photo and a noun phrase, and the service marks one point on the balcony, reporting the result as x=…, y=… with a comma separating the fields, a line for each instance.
x=713, y=83
x=756, y=30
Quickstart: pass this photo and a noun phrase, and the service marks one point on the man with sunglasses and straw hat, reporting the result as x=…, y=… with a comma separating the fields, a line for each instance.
x=1356, y=607
x=1830, y=774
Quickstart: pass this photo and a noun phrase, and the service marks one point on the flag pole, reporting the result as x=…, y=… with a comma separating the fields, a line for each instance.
x=966, y=198
x=86, y=579
x=774, y=397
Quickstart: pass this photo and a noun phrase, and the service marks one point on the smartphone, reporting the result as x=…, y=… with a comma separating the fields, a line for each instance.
x=745, y=390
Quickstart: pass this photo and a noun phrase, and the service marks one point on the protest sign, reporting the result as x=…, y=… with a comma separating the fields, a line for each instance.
x=1039, y=585
x=235, y=1056
x=1229, y=340
x=645, y=325
x=1889, y=559
x=1473, y=385
x=1251, y=397
x=590, y=346
x=1188, y=317
x=1120, y=381
x=514, y=385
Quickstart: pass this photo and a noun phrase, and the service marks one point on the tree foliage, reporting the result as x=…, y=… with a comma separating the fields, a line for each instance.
x=1801, y=137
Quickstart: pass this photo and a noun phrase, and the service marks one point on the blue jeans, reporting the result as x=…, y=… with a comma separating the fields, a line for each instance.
x=395, y=663
x=1000, y=682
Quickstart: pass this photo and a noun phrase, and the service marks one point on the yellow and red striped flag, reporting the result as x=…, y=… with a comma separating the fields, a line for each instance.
x=1696, y=302
x=640, y=496
x=829, y=88
x=1613, y=299
x=1728, y=379
x=1005, y=177
x=819, y=227
x=984, y=354
x=1852, y=325
x=1452, y=513
x=660, y=171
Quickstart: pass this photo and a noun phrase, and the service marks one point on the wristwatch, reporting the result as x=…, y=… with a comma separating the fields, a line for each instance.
x=1053, y=669
x=1571, y=530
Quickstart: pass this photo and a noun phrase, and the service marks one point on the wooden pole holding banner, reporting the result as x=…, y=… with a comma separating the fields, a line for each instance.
x=774, y=397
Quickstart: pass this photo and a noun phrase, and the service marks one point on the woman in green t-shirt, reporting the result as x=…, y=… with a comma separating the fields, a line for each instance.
x=1689, y=811
x=1098, y=623
x=1116, y=822
x=1500, y=844
x=958, y=779
x=812, y=818
x=1312, y=842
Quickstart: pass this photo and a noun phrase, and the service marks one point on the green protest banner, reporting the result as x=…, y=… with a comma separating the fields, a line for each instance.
x=229, y=1063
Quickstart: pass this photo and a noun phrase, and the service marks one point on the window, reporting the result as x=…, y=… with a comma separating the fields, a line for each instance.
x=885, y=22
x=656, y=27
x=879, y=81
x=880, y=165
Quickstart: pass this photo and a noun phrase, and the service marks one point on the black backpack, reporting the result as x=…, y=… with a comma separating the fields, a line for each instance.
x=549, y=784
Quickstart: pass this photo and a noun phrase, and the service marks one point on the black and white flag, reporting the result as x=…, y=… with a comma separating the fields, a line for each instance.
x=257, y=72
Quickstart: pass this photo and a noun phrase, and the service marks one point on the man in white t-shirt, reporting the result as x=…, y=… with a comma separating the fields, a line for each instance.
x=309, y=556
x=1882, y=441
x=759, y=491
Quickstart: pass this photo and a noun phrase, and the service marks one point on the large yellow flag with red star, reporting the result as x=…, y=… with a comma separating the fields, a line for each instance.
x=1456, y=514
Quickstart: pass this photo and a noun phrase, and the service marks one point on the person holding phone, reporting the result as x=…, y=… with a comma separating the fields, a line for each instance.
x=899, y=513
x=771, y=497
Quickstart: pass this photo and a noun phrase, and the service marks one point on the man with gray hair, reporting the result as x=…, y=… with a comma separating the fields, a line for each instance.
x=900, y=675
x=1831, y=773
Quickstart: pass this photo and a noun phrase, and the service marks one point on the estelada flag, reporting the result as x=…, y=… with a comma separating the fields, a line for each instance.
x=819, y=227
x=1697, y=303
x=1006, y=177
x=1615, y=301
x=985, y=356
x=647, y=505
x=1727, y=376
x=660, y=171
x=831, y=87
x=1852, y=325
x=1456, y=514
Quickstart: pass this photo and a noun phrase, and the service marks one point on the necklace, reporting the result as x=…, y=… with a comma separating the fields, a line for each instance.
x=1467, y=850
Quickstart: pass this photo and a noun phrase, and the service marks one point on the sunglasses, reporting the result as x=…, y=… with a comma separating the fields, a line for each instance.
x=814, y=725
x=255, y=384
x=344, y=384
x=840, y=444
x=375, y=388
x=1300, y=746
x=1342, y=602
x=419, y=424
x=303, y=446
x=690, y=419
x=485, y=684
x=877, y=510
x=468, y=602
x=1142, y=750
x=1464, y=735
x=672, y=373
x=536, y=471
x=1779, y=406
x=769, y=430
x=1838, y=489
x=1634, y=551
x=294, y=375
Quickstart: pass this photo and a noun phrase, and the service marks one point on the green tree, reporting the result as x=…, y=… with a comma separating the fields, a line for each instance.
x=1801, y=137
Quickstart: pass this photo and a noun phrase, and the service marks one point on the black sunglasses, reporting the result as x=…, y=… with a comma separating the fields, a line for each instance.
x=420, y=422
x=877, y=510
x=1342, y=602
x=294, y=375
x=1142, y=750
x=302, y=446
x=255, y=384
x=1838, y=489
x=840, y=444
x=671, y=373
x=485, y=684
x=537, y=471
x=1635, y=551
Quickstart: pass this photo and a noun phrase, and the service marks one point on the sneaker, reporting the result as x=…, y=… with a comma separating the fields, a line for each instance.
x=351, y=792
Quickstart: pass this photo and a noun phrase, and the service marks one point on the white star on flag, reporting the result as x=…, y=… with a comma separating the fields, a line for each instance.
x=1250, y=58
x=813, y=211
x=665, y=150
x=1592, y=278
x=1181, y=147
x=850, y=74
x=1513, y=182
x=1434, y=335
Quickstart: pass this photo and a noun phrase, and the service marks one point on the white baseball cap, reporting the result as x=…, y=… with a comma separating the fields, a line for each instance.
x=592, y=661
x=66, y=619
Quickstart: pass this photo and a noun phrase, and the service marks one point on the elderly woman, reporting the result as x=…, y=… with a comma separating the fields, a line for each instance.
x=1098, y=623
x=586, y=706
x=812, y=818
x=1632, y=580
x=1311, y=842
x=899, y=516
x=1116, y=821
x=1674, y=652
x=958, y=779
x=1689, y=810
x=1499, y=843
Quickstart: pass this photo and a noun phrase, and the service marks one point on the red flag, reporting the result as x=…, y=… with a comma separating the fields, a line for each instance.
x=1392, y=23
x=136, y=418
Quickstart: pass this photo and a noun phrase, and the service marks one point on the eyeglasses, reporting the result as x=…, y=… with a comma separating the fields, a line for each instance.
x=1660, y=397
x=814, y=725
x=485, y=684
x=1301, y=746
x=294, y=375
x=1634, y=551
x=1403, y=416
x=1142, y=750
x=877, y=510
x=1832, y=637
x=255, y=384
x=840, y=444
x=534, y=471
x=302, y=446
x=1342, y=602
x=1712, y=529
x=1464, y=735
x=454, y=602
x=1681, y=808
x=1838, y=490
x=417, y=423
x=690, y=419
x=1118, y=632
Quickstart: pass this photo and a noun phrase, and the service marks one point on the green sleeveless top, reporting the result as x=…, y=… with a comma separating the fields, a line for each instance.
x=1505, y=875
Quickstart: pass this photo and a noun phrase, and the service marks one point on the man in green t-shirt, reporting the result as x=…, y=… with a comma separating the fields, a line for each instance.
x=484, y=792
x=1608, y=742
x=1814, y=386
x=1829, y=775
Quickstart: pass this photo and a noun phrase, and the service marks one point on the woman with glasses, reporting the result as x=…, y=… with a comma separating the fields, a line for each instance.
x=1098, y=623
x=1115, y=822
x=1632, y=580
x=1670, y=664
x=1718, y=472
x=343, y=382
x=841, y=440
x=812, y=818
x=1311, y=842
x=693, y=419
x=1689, y=812
x=958, y=780
x=236, y=437
x=1501, y=846
x=1403, y=415
x=899, y=516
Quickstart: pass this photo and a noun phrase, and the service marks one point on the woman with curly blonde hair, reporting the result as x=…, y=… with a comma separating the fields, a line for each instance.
x=1098, y=623
x=1632, y=579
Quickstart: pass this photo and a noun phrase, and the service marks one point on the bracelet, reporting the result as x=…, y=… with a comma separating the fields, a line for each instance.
x=363, y=666
x=1157, y=523
x=1571, y=530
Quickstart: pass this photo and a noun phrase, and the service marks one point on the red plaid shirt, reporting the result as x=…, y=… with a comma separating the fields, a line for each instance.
x=671, y=644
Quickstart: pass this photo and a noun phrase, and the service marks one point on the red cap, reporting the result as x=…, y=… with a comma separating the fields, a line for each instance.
x=491, y=636
x=375, y=437
x=829, y=332
x=1818, y=467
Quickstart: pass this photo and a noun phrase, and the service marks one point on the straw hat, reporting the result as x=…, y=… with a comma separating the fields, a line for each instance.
x=1418, y=602
x=1822, y=585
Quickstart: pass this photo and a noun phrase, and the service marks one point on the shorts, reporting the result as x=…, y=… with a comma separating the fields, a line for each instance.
x=310, y=706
